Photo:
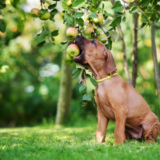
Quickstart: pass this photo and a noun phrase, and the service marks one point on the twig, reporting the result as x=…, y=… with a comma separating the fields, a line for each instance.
x=41, y=3
x=102, y=29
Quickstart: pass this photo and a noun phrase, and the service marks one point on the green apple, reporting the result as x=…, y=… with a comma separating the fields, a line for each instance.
x=89, y=30
x=73, y=50
x=71, y=33
x=44, y=14
x=69, y=2
x=68, y=58
x=35, y=12
x=99, y=19
x=62, y=14
x=101, y=36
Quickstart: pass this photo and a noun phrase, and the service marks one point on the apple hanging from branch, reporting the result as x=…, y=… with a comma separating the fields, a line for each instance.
x=71, y=33
x=73, y=50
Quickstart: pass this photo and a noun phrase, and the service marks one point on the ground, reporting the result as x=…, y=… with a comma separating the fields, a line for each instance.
x=70, y=143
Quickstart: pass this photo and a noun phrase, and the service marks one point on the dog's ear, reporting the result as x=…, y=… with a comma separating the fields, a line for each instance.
x=109, y=61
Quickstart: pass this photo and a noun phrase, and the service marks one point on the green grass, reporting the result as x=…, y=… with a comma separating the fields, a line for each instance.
x=71, y=143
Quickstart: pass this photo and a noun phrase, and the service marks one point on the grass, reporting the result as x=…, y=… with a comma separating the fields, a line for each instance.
x=71, y=143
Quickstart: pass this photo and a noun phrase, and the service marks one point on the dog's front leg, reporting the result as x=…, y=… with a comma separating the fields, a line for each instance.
x=102, y=126
x=120, y=118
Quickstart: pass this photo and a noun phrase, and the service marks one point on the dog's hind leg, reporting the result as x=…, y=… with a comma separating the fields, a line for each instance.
x=151, y=128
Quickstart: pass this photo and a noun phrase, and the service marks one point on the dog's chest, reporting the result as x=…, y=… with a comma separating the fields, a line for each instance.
x=104, y=106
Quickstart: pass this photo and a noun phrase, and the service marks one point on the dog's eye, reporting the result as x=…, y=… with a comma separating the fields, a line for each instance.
x=93, y=42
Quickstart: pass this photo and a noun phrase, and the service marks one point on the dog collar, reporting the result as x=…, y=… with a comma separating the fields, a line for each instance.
x=108, y=77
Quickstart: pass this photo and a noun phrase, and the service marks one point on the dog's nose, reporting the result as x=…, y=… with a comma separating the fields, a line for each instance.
x=78, y=36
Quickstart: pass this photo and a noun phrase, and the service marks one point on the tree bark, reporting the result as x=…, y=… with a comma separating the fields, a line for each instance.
x=135, y=49
x=64, y=101
x=155, y=61
x=126, y=68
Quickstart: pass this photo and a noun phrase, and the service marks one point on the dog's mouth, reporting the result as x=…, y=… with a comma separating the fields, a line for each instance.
x=80, y=58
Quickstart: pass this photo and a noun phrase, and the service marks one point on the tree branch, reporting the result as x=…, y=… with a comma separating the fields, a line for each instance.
x=126, y=68
x=155, y=62
x=135, y=49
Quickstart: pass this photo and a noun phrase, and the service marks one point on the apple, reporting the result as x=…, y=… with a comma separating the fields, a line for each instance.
x=35, y=12
x=44, y=14
x=99, y=19
x=62, y=14
x=89, y=30
x=69, y=2
x=68, y=58
x=73, y=50
x=102, y=37
x=71, y=33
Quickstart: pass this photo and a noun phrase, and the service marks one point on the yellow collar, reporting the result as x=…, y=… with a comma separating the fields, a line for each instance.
x=108, y=77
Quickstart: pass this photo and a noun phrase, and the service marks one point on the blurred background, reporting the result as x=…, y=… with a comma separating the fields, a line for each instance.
x=30, y=75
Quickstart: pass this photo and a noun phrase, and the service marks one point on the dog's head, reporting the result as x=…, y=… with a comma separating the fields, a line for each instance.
x=94, y=52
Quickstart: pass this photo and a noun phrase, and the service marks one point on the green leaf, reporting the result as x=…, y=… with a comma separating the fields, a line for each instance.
x=109, y=14
x=119, y=13
x=141, y=26
x=93, y=9
x=53, y=13
x=65, y=6
x=84, y=103
x=76, y=72
x=82, y=89
x=93, y=81
x=2, y=26
x=116, y=22
x=133, y=10
x=144, y=3
x=93, y=15
x=102, y=7
x=78, y=15
x=68, y=18
x=54, y=33
x=80, y=66
x=87, y=97
x=79, y=21
x=118, y=7
x=78, y=4
x=109, y=43
x=2, y=5
x=64, y=42
x=144, y=19
x=52, y=6
x=63, y=46
x=114, y=36
x=94, y=2
x=38, y=33
x=41, y=44
x=124, y=19
x=15, y=3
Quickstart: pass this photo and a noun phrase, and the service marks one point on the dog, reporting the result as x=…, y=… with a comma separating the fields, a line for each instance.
x=116, y=99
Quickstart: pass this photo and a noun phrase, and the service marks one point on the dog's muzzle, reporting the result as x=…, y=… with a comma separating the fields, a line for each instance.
x=79, y=41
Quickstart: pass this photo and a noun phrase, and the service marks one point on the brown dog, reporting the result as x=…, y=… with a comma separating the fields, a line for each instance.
x=116, y=99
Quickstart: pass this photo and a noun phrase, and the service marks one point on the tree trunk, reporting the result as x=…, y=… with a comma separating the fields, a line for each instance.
x=64, y=101
x=126, y=68
x=135, y=49
x=154, y=55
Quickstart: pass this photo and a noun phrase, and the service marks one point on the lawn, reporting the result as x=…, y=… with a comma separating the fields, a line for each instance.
x=70, y=143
